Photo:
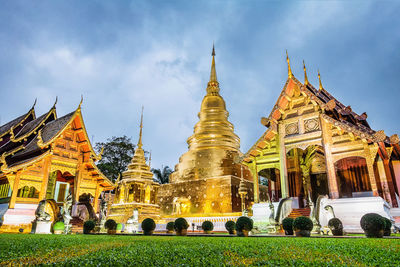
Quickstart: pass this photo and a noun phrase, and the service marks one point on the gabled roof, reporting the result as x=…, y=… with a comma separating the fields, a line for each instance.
x=333, y=110
x=6, y=128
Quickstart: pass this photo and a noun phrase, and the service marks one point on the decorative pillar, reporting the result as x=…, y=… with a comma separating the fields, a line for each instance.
x=256, y=182
x=14, y=193
x=330, y=166
x=370, y=154
x=96, y=197
x=396, y=170
x=385, y=186
x=46, y=172
x=78, y=177
x=282, y=162
x=389, y=180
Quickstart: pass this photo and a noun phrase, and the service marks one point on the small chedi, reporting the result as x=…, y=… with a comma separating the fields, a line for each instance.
x=136, y=190
x=206, y=180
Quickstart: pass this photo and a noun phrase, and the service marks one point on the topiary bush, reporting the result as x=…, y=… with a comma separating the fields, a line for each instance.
x=373, y=225
x=58, y=227
x=120, y=226
x=207, y=226
x=148, y=226
x=287, y=225
x=230, y=226
x=181, y=226
x=110, y=224
x=244, y=225
x=88, y=226
x=336, y=226
x=302, y=226
x=388, y=226
x=170, y=226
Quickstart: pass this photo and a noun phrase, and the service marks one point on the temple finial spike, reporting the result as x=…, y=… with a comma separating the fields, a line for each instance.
x=290, y=75
x=34, y=103
x=141, y=130
x=55, y=102
x=320, y=83
x=305, y=74
x=213, y=75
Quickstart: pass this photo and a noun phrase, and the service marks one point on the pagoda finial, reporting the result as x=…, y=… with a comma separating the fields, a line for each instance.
x=305, y=74
x=213, y=75
x=288, y=63
x=150, y=159
x=34, y=103
x=320, y=83
x=141, y=129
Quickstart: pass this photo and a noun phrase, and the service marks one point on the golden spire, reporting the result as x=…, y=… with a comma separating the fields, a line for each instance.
x=213, y=74
x=141, y=129
x=150, y=159
x=305, y=74
x=288, y=63
x=320, y=83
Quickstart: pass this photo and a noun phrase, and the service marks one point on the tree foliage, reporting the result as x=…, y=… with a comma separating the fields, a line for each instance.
x=118, y=152
x=162, y=175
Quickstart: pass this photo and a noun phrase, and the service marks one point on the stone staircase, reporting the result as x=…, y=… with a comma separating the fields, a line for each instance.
x=300, y=212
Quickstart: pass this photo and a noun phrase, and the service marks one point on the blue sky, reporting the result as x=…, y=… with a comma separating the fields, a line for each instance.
x=124, y=54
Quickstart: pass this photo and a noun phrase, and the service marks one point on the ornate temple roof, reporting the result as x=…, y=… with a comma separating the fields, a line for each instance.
x=333, y=110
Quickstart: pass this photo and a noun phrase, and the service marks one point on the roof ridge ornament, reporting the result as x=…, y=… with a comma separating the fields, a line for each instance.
x=290, y=74
x=55, y=103
x=320, y=83
x=305, y=74
x=34, y=104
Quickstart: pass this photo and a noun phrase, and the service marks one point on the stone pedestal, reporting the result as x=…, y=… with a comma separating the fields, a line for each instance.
x=131, y=228
x=43, y=227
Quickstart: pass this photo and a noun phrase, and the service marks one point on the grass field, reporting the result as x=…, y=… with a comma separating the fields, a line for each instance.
x=88, y=250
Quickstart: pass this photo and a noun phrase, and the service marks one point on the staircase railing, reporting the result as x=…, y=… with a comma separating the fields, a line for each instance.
x=284, y=209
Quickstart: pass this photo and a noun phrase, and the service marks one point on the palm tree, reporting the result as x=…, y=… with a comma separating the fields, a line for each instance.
x=162, y=176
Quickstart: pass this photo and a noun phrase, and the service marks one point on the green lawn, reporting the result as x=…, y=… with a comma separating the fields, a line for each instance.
x=194, y=251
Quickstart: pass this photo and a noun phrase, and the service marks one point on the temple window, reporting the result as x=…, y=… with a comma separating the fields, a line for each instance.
x=61, y=191
x=4, y=189
x=28, y=192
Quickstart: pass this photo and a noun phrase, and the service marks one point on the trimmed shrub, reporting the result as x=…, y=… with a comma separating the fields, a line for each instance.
x=119, y=227
x=336, y=226
x=148, y=226
x=170, y=226
x=287, y=225
x=181, y=224
x=244, y=223
x=207, y=226
x=302, y=223
x=58, y=226
x=110, y=224
x=230, y=226
x=88, y=226
x=373, y=225
x=388, y=225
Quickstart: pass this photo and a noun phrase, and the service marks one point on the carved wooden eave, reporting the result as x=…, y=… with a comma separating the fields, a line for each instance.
x=17, y=167
x=348, y=128
x=109, y=185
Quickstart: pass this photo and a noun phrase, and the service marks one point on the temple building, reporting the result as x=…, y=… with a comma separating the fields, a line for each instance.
x=316, y=146
x=45, y=158
x=137, y=189
x=206, y=180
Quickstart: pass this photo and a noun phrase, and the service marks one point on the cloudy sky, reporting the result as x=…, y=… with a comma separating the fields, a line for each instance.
x=121, y=55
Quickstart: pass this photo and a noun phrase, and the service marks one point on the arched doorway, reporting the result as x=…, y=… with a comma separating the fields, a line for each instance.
x=59, y=185
x=353, y=178
x=306, y=174
x=270, y=177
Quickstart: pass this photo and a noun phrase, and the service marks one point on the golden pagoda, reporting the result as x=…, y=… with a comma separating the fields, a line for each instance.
x=206, y=179
x=136, y=189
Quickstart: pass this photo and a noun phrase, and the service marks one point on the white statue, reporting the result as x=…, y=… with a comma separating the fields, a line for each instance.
x=67, y=213
x=132, y=224
x=176, y=206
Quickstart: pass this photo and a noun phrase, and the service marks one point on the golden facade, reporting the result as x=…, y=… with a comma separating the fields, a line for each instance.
x=45, y=158
x=314, y=145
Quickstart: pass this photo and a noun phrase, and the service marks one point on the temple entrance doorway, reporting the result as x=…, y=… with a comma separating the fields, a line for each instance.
x=270, y=177
x=307, y=178
x=353, y=178
x=59, y=185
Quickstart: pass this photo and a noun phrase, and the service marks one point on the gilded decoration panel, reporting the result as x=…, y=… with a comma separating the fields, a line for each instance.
x=311, y=125
x=292, y=128
x=30, y=183
x=63, y=167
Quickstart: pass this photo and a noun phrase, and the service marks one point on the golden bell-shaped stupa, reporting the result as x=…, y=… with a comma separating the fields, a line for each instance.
x=206, y=179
